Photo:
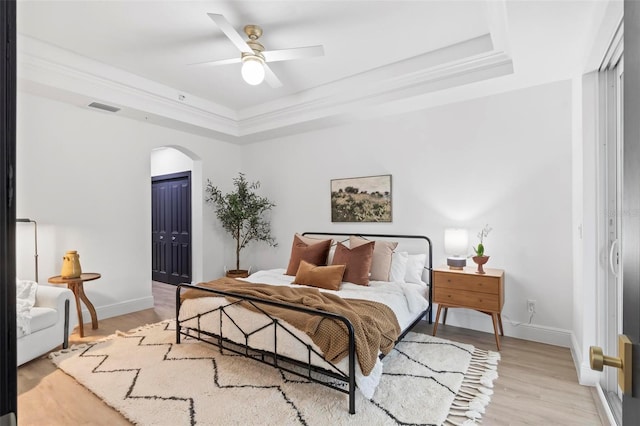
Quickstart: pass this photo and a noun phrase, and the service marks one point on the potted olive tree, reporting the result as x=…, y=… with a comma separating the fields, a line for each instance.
x=242, y=214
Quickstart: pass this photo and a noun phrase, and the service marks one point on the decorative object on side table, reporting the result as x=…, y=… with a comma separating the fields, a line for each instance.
x=71, y=265
x=242, y=214
x=456, y=245
x=480, y=258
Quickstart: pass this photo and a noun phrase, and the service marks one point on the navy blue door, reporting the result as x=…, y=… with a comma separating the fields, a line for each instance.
x=171, y=228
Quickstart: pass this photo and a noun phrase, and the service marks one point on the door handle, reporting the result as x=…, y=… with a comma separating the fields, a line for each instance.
x=623, y=362
x=611, y=251
x=173, y=238
x=161, y=237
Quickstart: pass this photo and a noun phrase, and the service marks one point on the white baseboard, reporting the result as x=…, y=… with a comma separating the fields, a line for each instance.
x=586, y=376
x=120, y=308
x=537, y=333
x=604, y=406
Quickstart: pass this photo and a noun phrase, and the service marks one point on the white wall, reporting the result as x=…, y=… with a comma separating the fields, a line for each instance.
x=504, y=160
x=167, y=160
x=84, y=175
x=587, y=254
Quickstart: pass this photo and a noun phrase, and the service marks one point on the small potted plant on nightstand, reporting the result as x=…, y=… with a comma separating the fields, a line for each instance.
x=480, y=258
x=241, y=213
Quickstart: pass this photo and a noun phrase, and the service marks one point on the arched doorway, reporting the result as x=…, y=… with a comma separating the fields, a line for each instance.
x=176, y=215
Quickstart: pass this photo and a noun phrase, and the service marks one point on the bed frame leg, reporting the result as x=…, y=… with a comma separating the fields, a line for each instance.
x=352, y=400
x=352, y=369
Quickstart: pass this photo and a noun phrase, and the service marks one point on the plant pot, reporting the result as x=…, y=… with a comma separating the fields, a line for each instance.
x=480, y=260
x=237, y=273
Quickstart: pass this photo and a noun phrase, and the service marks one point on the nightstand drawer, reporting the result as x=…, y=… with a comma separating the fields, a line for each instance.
x=467, y=299
x=468, y=282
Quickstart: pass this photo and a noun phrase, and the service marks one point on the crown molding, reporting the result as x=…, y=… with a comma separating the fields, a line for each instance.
x=431, y=94
x=456, y=65
x=50, y=71
x=71, y=76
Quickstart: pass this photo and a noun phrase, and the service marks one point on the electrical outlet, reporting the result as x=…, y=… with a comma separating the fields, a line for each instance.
x=531, y=306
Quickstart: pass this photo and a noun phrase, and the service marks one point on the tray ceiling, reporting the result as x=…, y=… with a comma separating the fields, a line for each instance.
x=392, y=52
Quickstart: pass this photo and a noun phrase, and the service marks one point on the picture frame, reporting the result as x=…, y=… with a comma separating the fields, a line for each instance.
x=361, y=199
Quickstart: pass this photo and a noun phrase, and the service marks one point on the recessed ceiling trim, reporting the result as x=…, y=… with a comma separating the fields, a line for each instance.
x=370, y=106
x=409, y=71
x=70, y=62
x=460, y=63
x=473, y=61
x=43, y=72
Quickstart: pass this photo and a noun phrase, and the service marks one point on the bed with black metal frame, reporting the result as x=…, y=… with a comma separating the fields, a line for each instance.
x=346, y=382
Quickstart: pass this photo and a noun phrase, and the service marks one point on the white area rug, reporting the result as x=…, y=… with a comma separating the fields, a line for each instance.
x=152, y=380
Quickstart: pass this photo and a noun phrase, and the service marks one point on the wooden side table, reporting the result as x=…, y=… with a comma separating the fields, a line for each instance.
x=468, y=289
x=76, y=285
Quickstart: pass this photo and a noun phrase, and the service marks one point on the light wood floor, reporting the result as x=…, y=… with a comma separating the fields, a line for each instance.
x=537, y=384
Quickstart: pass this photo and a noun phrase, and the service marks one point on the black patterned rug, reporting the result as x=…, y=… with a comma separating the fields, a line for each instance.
x=152, y=380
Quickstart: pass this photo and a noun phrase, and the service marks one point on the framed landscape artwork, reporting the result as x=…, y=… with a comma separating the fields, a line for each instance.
x=361, y=199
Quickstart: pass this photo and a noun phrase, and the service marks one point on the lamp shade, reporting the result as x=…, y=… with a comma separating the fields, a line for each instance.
x=252, y=70
x=456, y=242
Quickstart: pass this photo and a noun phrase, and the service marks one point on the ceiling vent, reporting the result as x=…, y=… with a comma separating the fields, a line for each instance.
x=104, y=107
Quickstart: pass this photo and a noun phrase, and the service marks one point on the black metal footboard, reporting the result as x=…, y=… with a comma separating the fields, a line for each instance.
x=304, y=369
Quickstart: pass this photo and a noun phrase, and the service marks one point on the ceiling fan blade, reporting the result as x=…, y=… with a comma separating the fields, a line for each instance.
x=230, y=32
x=294, y=53
x=219, y=62
x=271, y=78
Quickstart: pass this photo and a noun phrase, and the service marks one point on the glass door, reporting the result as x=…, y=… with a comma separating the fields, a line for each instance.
x=613, y=78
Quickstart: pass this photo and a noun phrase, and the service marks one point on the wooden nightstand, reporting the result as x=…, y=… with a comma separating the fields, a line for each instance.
x=468, y=289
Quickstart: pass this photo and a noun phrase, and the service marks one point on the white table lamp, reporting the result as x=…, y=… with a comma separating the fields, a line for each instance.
x=456, y=245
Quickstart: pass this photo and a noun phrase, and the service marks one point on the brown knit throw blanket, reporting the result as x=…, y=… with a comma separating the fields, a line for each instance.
x=375, y=325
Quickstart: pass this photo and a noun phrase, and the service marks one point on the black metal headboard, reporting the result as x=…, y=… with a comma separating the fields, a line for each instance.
x=428, y=266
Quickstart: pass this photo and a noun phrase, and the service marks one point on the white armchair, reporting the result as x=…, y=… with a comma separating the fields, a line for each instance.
x=50, y=323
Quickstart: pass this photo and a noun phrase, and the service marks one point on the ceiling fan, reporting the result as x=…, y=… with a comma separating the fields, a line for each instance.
x=253, y=56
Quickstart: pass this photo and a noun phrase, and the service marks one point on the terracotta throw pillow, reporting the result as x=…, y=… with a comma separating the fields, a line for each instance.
x=357, y=260
x=309, y=249
x=327, y=277
x=382, y=254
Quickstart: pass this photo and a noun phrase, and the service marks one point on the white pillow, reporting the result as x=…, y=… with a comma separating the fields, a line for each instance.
x=332, y=252
x=398, y=266
x=415, y=267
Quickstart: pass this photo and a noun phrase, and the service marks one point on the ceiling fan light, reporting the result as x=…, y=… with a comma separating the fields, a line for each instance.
x=252, y=70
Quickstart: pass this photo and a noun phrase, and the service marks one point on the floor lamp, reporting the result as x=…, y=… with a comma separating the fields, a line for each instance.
x=35, y=233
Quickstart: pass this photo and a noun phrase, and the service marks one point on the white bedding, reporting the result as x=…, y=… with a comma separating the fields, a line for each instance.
x=406, y=300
